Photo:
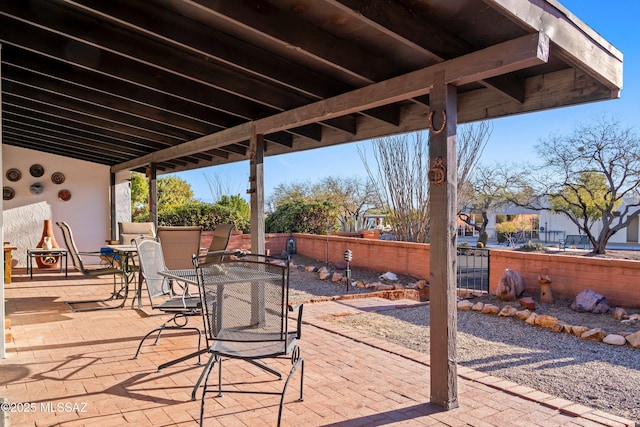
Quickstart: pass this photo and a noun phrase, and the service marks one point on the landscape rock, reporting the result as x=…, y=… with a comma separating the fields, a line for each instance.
x=596, y=334
x=531, y=320
x=421, y=284
x=558, y=327
x=579, y=330
x=590, y=302
x=510, y=286
x=384, y=287
x=490, y=309
x=391, y=277
x=523, y=314
x=546, y=321
x=634, y=339
x=614, y=339
x=340, y=265
x=324, y=273
x=477, y=306
x=310, y=268
x=337, y=277
x=634, y=317
x=619, y=313
x=398, y=286
x=508, y=311
x=464, y=305
x=528, y=303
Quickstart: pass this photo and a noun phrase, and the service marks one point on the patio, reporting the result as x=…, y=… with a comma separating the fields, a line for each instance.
x=77, y=369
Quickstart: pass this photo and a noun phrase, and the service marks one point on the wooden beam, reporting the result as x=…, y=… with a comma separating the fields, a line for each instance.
x=442, y=237
x=515, y=54
x=576, y=41
x=503, y=58
x=205, y=143
x=256, y=189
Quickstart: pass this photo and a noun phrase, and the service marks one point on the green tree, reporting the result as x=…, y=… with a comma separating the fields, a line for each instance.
x=593, y=174
x=173, y=191
x=317, y=217
x=139, y=194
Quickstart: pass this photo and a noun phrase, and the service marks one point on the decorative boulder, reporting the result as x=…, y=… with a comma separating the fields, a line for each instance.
x=511, y=286
x=590, y=302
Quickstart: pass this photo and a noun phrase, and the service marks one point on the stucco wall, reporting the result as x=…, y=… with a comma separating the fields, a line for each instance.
x=617, y=280
x=87, y=212
x=382, y=255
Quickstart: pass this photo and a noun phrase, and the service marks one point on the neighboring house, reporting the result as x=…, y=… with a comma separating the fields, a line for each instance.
x=546, y=226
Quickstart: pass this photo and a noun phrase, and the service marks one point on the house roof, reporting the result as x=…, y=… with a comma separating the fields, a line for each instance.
x=184, y=83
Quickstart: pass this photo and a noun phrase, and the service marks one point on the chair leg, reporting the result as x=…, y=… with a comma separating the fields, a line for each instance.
x=209, y=368
x=206, y=369
x=298, y=362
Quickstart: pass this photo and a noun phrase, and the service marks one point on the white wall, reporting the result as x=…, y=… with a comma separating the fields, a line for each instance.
x=87, y=212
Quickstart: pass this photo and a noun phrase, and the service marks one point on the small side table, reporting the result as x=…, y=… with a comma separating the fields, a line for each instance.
x=34, y=253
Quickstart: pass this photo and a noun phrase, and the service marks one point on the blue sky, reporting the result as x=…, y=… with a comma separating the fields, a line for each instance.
x=513, y=138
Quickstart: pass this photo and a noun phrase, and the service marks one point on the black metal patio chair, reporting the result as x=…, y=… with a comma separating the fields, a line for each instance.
x=245, y=300
x=161, y=294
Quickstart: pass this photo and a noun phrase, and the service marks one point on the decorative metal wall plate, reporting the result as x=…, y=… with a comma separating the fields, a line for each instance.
x=64, y=195
x=8, y=193
x=57, y=177
x=14, y=175
x=36, y=188
x=36, y=170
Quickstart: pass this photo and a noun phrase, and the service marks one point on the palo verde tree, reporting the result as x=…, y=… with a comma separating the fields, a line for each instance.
x=591, y=175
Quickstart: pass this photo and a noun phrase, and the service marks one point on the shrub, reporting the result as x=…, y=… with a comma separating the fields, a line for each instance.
x=198, y=213
x=532, y=246
x=303, y=217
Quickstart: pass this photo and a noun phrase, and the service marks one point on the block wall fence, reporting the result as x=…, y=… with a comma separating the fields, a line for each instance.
x=618, y=280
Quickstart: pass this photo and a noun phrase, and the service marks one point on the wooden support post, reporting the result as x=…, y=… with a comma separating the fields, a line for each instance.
x=152, y=175
x=256, y=189
x=443, y=205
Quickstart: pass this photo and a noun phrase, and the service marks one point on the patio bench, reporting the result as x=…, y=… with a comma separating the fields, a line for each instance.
x=575, y=240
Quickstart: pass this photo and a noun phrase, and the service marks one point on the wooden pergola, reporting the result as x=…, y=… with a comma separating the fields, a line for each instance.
x=173, y=85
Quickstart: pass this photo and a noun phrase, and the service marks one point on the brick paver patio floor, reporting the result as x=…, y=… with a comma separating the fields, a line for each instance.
x=76, y=369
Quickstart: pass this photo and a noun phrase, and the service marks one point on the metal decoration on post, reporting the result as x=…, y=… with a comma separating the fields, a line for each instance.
x=348, y=257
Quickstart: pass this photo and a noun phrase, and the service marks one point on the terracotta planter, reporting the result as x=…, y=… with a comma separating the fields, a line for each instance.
x=48, y=241
x=370, y=234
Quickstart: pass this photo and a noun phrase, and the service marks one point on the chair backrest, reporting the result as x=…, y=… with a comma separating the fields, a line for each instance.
x=246, y=300
x=221, y=237
x=130, y=230
x=179, y=244
x=67, y=235
x=151, y=261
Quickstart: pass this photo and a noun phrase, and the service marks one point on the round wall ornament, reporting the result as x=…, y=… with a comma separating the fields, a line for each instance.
x=36, y=188
x=8, y=193
x=438, y=172
x=64, y=195
x=36, y=170
x=57, y=178
x=14, y=175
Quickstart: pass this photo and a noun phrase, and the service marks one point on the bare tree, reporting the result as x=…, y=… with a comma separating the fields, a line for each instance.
x=471, y=140
x=591, y=175
x=401, y=185
x=401, y=182
x=352, y=195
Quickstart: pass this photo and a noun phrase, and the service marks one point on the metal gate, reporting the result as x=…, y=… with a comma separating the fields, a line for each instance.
x=473, y=269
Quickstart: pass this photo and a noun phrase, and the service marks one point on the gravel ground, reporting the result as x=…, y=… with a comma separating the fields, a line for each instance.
x=594, y=374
